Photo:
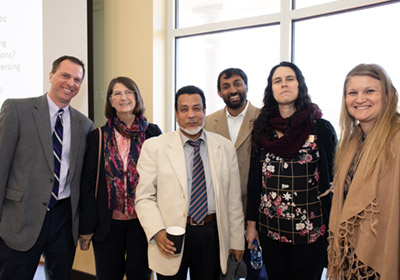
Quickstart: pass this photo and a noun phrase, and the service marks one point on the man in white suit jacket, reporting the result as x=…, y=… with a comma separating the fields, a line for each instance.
x=164, y=190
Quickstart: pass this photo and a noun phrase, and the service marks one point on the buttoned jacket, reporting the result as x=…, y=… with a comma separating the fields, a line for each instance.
x=27, y=168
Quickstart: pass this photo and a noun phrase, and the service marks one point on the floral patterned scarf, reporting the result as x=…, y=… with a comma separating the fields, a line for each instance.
x=114, y=167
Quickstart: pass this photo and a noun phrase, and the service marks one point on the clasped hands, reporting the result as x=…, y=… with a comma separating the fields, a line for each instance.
x=84, y=241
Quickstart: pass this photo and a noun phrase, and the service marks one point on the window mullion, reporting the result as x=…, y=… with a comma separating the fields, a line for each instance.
x=286, y=31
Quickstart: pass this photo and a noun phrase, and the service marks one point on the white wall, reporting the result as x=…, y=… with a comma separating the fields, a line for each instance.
x=65, y=33
x=33, y=33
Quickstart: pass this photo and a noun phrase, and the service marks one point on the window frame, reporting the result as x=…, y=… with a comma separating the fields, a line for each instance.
x=285, y=18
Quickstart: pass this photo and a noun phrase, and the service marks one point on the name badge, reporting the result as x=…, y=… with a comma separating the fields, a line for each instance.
x=311, y=138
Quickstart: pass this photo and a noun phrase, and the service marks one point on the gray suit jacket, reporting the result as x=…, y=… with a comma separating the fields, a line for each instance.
x=26, y=168
x=217, y=123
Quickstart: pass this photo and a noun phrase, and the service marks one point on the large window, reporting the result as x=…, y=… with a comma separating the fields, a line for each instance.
x=218, y=51
x=327, y=48
x=298, y=4
x=325, y=38
x=195, y=12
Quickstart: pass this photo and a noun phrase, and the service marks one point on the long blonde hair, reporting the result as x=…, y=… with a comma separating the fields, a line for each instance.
x=378, y=142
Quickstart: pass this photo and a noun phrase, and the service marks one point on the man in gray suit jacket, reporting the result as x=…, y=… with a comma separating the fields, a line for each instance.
x=29, y=224
x=235, y=122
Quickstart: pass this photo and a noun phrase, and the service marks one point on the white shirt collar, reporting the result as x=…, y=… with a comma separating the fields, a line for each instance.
x=185, y=138
x=53, y=107
x=241, y=114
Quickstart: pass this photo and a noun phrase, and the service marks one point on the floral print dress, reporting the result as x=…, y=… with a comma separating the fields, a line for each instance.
x=290, y=207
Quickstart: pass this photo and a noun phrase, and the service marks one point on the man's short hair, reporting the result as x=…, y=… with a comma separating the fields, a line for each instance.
x=56, y=63
x=190, y=90
x=229, y=72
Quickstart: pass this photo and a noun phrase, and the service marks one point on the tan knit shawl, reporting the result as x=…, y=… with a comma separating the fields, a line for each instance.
x=367, y=222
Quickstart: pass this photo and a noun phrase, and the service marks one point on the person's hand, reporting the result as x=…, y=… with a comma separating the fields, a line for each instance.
x=84, y=241
x=165, y=245
x=251, y=234
x=237, y=253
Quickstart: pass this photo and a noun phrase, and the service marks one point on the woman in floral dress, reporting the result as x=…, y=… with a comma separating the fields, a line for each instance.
x=289, y=180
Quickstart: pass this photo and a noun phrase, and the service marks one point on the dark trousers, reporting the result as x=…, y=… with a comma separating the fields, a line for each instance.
x=253, y=274
x=124, y=251
x=55, y=242
x=200, y=255
x=285, y=261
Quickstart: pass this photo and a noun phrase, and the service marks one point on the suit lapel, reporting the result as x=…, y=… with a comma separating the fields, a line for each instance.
x=215, y=157
x=246, y=126
x=76, y=134
x=176, y=157
x=221, y=124
x=41, y=116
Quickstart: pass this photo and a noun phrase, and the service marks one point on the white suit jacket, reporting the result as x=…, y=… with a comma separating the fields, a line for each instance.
x=162, y=195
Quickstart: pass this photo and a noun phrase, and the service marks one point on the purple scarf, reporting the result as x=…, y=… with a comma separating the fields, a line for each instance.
x=296, y=130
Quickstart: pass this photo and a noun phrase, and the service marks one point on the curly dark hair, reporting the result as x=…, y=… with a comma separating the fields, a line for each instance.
x=270, y=107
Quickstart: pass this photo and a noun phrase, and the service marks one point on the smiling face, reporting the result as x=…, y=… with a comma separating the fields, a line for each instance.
x=364, y=100
x=122, y=100
x=233, y=91
x=190, y=115
x=65, y=82
x=285, y=86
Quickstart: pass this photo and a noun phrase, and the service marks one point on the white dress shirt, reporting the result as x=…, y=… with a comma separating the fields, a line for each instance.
x=189, y=154
x=234, y=123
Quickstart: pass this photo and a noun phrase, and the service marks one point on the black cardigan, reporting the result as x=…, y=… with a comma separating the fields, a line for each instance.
x=95, y=216
x=326, y=142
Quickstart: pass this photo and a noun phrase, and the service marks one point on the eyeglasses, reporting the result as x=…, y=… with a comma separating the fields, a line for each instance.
x=120, y=93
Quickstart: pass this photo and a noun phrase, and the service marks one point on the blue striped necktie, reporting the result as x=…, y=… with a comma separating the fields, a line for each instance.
x=198, y=200
x=57, y=152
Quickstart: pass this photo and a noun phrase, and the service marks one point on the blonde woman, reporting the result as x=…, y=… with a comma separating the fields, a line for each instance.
x=364, y=223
